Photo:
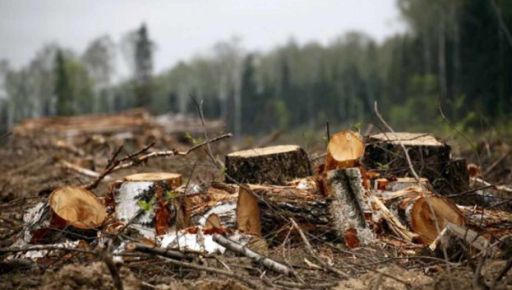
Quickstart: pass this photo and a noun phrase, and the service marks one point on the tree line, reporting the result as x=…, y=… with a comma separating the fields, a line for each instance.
x=454, y=61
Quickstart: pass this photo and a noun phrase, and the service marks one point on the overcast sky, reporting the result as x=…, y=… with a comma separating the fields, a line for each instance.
x=183, y=28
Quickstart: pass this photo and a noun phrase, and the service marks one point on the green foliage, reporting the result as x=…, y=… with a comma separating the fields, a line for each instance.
x=63, y=89
x=455, y=55
x=147, y=205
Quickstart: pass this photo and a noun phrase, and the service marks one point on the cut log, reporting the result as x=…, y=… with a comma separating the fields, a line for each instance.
x=426, y=214
x=72, y=208
x=345, y=188
x=344, y=150
x=148, y=202
x=268, y=165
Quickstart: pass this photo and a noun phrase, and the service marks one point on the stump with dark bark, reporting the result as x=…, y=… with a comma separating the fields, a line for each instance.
x=148, y=202
x=277, y=204
x=268, y=165
x=429, y=156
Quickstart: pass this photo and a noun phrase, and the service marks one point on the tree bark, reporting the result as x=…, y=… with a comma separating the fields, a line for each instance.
x=268, y=165
x=148, y=200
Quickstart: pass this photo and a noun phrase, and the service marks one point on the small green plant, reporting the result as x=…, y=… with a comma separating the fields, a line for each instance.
x=146, y=205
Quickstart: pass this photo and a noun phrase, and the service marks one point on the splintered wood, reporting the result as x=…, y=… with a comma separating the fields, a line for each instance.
x=248, y=215
x=148, y=200
x=267, y=165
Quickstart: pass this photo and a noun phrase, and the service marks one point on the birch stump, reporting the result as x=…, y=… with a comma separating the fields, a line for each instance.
x=347, y=210
x=149, y=203
x=71, y=211
x=268, y=165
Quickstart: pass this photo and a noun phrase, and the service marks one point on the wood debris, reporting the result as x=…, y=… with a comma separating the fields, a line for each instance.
x=363, y=196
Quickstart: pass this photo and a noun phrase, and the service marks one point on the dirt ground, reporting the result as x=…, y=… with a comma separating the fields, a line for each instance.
x=30, y=170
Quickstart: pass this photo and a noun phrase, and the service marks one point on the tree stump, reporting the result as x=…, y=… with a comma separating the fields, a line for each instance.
x=429, y=156
x=148, y=202
x=72, y=208
x=268, y=165
x=344, y=150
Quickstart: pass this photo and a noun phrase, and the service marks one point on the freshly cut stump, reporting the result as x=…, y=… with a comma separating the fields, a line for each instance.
x=427, y=214
x=344, y=150
x=77, y=207
x=72, y=208
x=148, y=202
x=268, y=165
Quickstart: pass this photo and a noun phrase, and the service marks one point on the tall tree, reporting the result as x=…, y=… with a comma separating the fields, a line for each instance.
x=138, y=48
x=63, y=90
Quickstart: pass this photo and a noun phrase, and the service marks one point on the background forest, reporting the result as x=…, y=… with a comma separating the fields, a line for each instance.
x=454, y=62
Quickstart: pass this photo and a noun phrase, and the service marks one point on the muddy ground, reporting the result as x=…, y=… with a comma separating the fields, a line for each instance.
x=30, y=170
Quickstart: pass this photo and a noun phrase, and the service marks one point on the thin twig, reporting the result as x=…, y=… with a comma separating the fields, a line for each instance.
x=259, y=258
x=169, y=153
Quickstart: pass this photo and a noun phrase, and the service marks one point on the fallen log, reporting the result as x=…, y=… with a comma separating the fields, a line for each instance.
x=267, y=165
x=344, y=150
x=148, y=202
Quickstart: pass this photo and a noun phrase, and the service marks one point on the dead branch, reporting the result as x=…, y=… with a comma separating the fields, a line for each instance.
x=81, y=170
x=243, y=250
x=136, y=158
x=173, y=152
x=158, y=251
x=114, y=272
